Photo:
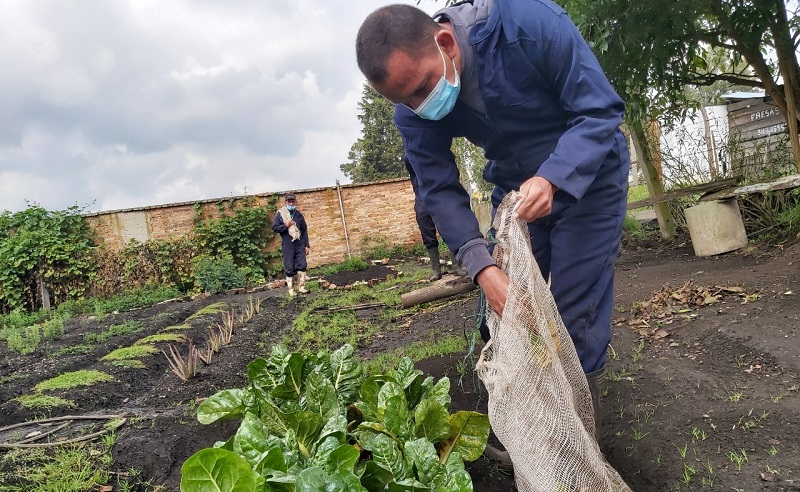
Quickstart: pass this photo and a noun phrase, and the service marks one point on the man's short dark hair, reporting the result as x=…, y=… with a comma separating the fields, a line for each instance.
x=388, y=29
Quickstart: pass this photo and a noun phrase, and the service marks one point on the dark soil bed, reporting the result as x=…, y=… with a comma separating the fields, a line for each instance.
x=687, y=390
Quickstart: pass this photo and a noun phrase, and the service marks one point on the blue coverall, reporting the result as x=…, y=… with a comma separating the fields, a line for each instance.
x=294, y=252
x=427, y=228
x=536, y=100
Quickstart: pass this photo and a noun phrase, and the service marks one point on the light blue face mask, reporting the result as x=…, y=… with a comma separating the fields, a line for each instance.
x=443, y=97
x=291, y=208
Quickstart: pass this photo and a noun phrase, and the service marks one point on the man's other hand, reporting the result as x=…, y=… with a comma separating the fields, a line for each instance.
x=537, y=199
x=495, y=286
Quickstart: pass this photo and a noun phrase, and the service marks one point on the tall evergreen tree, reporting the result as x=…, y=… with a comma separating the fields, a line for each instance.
x=378, y=153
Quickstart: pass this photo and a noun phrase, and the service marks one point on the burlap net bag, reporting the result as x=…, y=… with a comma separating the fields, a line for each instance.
x=539, y=403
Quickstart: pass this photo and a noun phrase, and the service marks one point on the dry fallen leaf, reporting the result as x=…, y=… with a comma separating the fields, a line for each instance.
x=660, y=334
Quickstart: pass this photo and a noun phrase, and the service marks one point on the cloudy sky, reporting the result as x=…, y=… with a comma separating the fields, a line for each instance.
x=117, y=104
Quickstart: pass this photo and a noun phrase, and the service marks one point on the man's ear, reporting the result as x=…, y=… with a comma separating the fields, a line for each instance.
x=448, y=42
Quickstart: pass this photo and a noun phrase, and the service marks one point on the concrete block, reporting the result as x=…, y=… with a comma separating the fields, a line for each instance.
x=716, y=227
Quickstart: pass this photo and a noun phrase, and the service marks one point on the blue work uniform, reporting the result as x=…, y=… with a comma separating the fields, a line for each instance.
x=536, y=100
x=427, y=228
x=294, y=251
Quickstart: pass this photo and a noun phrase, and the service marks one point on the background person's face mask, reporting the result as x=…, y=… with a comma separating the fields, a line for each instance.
x=291, y=207
x=443, y=97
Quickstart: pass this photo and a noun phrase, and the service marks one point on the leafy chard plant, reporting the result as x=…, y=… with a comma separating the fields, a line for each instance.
x=314, y=423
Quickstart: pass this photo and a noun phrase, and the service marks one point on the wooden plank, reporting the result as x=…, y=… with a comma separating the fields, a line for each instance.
x=786, y=182
x=754, y=114
x=691, y=190
x=438, y=290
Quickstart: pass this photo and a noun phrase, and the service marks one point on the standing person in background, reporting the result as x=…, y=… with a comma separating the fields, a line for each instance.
x=291, y=225
x=517, y=79
x=428, y=231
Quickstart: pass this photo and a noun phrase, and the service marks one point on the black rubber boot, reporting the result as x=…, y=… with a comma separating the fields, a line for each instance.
x=437, y=268
x=501, y=457
x=595, y=379
x=458, y=269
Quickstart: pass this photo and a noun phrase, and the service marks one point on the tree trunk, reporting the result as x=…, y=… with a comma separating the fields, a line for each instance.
x=666, y=224
x=713, y=168
x=789, y=69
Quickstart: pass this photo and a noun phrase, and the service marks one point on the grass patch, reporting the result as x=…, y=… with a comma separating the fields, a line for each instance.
x=80, y=349
x=38, y=401
x=73, y=379
x=184, y=326
x=66, y=468
x=312, y=331
x=417, y=351
x=352, y=264
x=113, y=331
x=129, y=363
x=161, y=337
x=136, y=298
x=24, y=340
x=638, y=192
x=13, y=377
x=214, y=308
x=134, y=352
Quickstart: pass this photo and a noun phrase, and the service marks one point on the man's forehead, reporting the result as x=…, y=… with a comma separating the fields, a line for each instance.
x=402, y=75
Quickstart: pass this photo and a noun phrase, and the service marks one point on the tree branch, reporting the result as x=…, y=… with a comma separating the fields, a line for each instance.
x=710, y=78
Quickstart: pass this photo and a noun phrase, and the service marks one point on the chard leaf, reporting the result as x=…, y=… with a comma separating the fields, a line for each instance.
x=253, y=440
x=316, y=480
x=367, y=432
x=224, y=405
x=262, y=380
x=226, y=445
x=292, y=385
x=375, y=477
x=387, y=391
x=396, y=416
x=414, y=392
x=431, y=421
x=409, y=485
x=324, y=449
x=271, y=463
x=320, y=396
x=440, y=392
x=406, y=373
x=468, y=434
x=347, y=373
x=343, y=458
x=276, y=421
x=456, y=478
x=422, y=454
x=335, y=426
x=368, y=394
x=219, y=470
x=307, y=427
x=280, y=482
x=386, y=453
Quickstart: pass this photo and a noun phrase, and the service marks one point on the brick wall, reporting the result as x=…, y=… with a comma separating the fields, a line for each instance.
x=374, y=213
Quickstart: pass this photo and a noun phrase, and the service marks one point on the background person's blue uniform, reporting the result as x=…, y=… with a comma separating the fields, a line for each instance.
x=536, y=100
x=294, y=252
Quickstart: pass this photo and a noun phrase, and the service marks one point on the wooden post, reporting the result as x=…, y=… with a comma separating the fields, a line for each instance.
x=666, y=224
x=45, y=294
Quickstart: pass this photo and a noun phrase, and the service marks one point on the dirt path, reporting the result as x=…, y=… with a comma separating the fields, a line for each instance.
x=712, y=399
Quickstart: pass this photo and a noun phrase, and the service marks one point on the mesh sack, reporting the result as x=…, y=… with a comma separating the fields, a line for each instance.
x=540, y=407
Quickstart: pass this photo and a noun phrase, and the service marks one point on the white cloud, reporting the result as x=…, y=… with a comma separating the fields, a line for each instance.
x=136, y=103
